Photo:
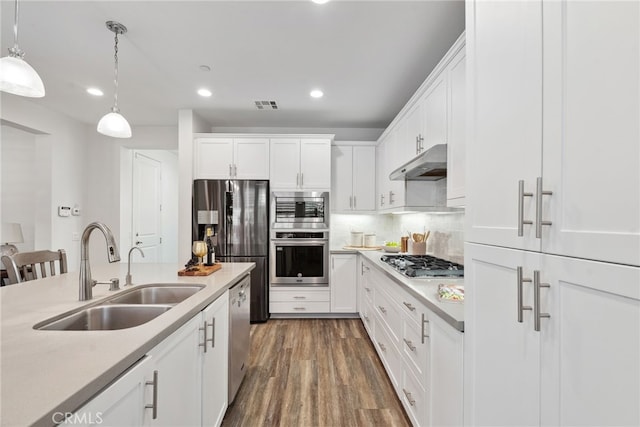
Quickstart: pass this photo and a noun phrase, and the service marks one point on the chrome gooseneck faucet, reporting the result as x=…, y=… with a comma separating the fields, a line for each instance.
x=128, y=278
x=86, y=283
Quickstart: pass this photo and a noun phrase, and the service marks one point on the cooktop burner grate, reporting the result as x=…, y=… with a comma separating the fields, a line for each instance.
x=424, y=266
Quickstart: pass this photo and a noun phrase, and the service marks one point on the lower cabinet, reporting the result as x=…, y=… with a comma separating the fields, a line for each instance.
x=182, y=381
x=295, y=300
x=422, y=354
x=343, y=283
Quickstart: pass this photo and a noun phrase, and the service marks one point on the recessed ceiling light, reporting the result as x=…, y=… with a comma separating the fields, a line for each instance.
x=316, y=93
x=319, y=1
x=204, y=92
x=94, y=91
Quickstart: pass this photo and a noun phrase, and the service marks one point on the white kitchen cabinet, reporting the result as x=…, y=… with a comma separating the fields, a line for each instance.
x=382, y=177
x=179, y=387
x=344, y=283
x=121, y=404
x=435, y=114
x=456, y=130
x=300, y=164
x=554, y=109
x=353, y=178
x=231, y=158
x=517, y=375
x=215, y=361
x=299, y=301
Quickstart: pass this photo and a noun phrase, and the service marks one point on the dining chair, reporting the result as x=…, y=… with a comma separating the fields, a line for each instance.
x=23, y=266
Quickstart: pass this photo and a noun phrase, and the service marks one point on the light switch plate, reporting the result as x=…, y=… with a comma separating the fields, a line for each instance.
x=64, y=211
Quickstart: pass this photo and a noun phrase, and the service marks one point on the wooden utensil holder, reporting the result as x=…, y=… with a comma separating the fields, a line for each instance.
x=417, y=248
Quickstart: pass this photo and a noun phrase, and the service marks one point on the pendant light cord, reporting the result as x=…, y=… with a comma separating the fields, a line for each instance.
x=115, y=80
x=15, y=50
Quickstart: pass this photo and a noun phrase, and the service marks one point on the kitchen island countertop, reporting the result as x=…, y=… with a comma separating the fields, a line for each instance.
x=44, y=372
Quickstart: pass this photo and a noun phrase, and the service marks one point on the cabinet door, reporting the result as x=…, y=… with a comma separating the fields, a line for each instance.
x=121, y=404
x=504, y=51
x=502, y=356
x=435, y=113
x=364, y=178
x=457, y=130
x=591, y=130
x=213, y=158
x=590, y=344
x=396, y=194
x=215, y=374
x=284, y=165
x=315, y=164
x=178, y=362
x=341, y=178
x=414, y=132
x=344, y=283
x=382, y=177
x=251, y=158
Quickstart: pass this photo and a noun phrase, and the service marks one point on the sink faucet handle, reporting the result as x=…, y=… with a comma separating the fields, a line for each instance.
x=114, y=284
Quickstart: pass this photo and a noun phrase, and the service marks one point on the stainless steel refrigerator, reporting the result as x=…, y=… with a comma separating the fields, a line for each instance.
x=238, y=210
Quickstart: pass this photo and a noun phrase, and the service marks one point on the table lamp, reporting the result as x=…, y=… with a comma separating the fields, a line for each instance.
x=11, y=233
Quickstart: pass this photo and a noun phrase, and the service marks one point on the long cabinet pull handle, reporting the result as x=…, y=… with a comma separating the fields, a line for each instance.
x=298, y=180
x=212, y=340
x=521, y=280
x=382, y=347
x=417, y=145
x=424, y=323
x=409, y=306
x=411, y=400
x=537, y=315
x=299, y=297
x=299, y=308
x=230, y=171
x=350, y=202
x=366, y=317
x=421, y=139
x=204, y=343
x=354, y=202
x=154, y=404
x=539, y=193
x=521, y=196
x=301, y=179
x=381, y=199
x=409, y=344
x=382, y=309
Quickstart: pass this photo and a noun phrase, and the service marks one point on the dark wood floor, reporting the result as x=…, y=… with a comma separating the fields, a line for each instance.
x=314, y=372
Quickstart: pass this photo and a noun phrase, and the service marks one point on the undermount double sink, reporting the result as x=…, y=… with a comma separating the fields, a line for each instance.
x=125, y=310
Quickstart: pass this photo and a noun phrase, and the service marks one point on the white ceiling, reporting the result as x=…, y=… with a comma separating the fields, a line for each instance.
x=367, y=56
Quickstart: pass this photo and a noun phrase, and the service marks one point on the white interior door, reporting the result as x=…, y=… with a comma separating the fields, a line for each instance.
x=147, y=207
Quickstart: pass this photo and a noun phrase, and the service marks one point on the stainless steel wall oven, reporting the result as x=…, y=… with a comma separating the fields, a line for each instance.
x=299, y=258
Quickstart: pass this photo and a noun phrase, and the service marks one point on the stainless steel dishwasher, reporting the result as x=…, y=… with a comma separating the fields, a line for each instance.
x=239, y=334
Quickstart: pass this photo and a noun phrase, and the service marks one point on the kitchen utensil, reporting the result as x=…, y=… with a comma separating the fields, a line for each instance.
x=417, y=237
x=426, y=236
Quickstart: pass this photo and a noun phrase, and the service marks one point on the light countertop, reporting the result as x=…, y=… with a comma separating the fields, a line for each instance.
x=43, y=372
x=425, y=290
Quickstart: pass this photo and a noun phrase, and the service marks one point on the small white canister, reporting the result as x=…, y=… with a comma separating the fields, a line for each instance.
x=357, y=239
x=369, y=240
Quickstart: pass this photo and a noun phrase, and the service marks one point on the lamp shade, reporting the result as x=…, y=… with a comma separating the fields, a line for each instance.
x=12, y=233
x=114, y=124
x=19, y=78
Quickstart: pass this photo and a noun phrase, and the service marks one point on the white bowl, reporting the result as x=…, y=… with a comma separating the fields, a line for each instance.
x=392, y=249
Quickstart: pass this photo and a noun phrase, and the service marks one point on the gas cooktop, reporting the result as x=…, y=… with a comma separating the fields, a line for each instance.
x=424, y=266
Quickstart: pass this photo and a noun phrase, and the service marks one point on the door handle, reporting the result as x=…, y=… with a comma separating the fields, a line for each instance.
x=212, y=340
x=537, y=315
x=154, y=404
x=521, y=280
x=204, y=343
x=521, y=196
x=539, y=193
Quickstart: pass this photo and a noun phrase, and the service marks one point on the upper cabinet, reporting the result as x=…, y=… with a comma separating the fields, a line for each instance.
x=300, y=163
x=353, y=178
x=231, y=158
x=456, y=130
x=555, y=129
x=434, y=108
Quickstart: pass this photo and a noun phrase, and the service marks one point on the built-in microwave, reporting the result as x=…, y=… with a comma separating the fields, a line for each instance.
x=300, y=209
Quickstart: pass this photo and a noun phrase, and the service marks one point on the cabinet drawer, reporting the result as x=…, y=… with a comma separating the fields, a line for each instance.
x=367, y=292
x=368, y=317
x=389, y=354
x=300, y=296
x=411, y=307
x=389, y=312
x=415, y=349
x=300, y=307
x=414, y=398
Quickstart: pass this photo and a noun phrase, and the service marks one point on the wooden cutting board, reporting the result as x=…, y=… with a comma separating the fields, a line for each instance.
x=363, y=248
x=204, y=270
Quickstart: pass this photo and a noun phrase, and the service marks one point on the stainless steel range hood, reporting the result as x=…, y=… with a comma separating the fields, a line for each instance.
x=428, y=166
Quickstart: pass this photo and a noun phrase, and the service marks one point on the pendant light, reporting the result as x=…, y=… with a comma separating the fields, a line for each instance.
x=16, y=76
x=114, y=124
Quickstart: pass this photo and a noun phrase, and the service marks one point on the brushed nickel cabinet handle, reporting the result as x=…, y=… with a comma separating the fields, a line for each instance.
x=204, y=343
x=382, y=309
x=537, y=315
x=212, y=340
x=299, y=308
x=521, y=280
x=421, y=140
x=230, y=170
x=354, y=202
x=301, y=179
x=299, y=297
x=411, y=400
x=381, y=199
x=521, y=196
x=298, y=180
x=382, y=347
x=417, y=145
x=350, y=202
x=409, y=306
x=366, y=317
x=424, y=323
x=367, y=289
x=391, y=194
x=409, y=344
x=539, y=193
x=154, y=405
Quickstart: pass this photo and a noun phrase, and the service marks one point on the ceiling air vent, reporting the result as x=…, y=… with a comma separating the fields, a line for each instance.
x=266, y=105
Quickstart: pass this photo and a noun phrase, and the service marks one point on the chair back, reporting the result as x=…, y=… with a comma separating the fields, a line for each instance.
x=24, y=266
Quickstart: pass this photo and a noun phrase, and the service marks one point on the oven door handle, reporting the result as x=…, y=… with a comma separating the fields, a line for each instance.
x=299, y=242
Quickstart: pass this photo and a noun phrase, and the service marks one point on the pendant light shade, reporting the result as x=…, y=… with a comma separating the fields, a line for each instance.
x=113, y=123
x=16, y=76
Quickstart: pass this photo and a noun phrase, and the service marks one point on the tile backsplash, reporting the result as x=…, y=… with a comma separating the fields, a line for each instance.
x=445, y=241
